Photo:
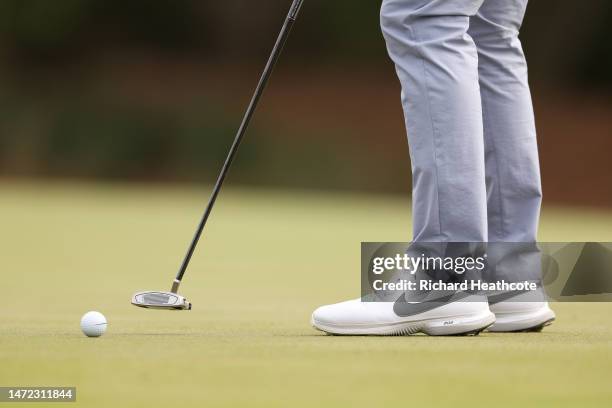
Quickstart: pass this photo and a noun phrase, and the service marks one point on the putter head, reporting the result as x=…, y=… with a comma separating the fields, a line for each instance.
x=160, y=300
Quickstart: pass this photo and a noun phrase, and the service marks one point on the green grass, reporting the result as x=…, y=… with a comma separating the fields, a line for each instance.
x=267, y=260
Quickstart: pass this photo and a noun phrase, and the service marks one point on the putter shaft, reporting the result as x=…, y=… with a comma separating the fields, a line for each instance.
x=276, y=52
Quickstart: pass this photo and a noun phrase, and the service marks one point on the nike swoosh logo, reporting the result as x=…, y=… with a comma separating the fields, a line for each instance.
x=403, y=308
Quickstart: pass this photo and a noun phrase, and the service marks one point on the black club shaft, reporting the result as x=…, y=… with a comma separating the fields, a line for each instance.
x=276, y=52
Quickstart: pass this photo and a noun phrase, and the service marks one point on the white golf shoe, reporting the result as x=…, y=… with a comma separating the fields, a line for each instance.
x=520, y=314
x=471, y=315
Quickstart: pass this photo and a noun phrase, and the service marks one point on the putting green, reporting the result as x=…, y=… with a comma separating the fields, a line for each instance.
x=266, y=261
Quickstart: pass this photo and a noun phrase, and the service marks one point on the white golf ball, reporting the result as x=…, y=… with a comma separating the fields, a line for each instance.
x=93, y=324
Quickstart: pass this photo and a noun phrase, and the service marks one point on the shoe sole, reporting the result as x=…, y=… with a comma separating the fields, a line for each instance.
x=449, y=326
x=529, y=322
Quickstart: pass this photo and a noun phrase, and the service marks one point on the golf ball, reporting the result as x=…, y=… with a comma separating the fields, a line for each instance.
x=93, y=324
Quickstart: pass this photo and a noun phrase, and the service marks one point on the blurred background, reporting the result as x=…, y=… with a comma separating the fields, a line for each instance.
x=153, y=91
x=115, y=117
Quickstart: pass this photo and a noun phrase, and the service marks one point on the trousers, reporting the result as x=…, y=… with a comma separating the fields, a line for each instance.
x=469, y=118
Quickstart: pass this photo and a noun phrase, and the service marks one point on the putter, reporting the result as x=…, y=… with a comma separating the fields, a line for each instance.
x=172, y=300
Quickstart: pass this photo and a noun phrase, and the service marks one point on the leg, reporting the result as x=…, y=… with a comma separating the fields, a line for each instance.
x=437, y=64
x=512, y=167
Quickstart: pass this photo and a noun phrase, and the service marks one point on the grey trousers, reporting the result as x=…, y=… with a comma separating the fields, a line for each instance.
x=469, y=117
